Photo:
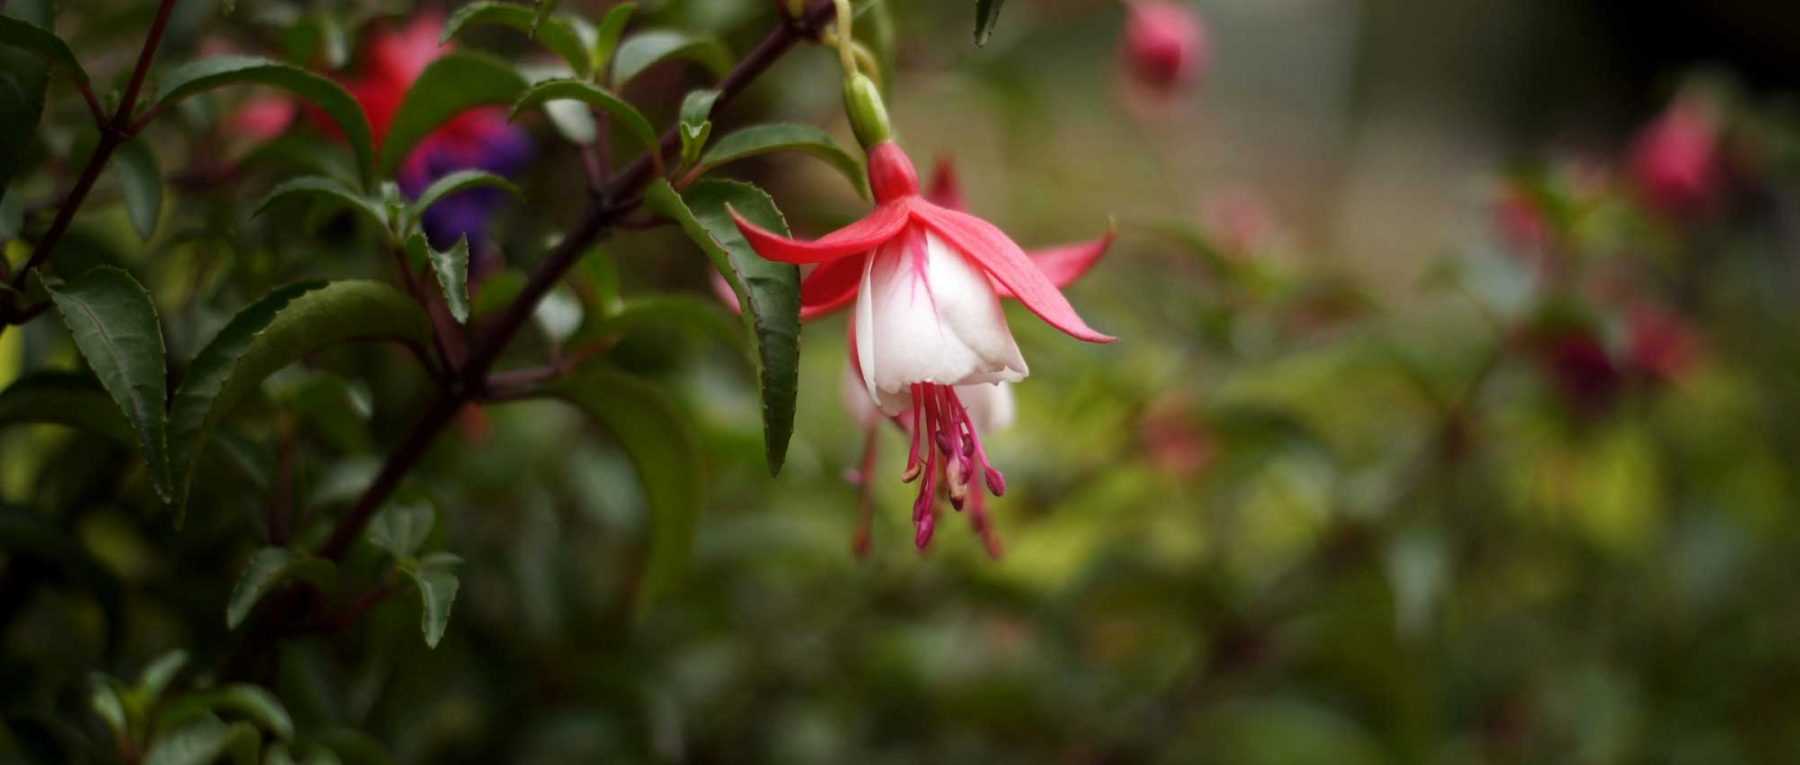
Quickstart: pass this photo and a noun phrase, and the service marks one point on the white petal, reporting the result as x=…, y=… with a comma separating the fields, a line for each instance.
x=863, y=333
x=930, y=317
x=991, y=407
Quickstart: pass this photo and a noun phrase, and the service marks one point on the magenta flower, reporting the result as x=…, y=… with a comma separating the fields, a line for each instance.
x=1166, y=46
x=479, y=139
x=1676, y=162
x=927, y=280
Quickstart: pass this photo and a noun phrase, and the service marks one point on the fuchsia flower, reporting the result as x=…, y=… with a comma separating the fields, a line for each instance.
x=1166, y=46
x=476, y=139
x=930, y=346
x=1676, y=161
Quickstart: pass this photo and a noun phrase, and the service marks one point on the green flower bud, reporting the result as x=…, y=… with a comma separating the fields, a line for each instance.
x=868, y=115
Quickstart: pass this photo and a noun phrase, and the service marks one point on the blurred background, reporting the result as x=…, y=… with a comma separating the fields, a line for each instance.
x=1453, y=419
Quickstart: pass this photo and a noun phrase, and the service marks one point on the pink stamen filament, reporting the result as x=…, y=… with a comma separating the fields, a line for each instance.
x=954, y=456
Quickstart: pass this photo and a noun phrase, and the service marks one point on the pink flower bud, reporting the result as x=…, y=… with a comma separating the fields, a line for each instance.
x=1676, y=162
x=1166, y=45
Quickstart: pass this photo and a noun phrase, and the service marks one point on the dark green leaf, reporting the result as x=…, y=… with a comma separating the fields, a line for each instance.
x=452, y=269
x=23, y=80
x=769, y=292
x=18, y=33
x=273, y=333
x=611, y=29
x=987, y=12
x=114, y=325
x=141, y=181
x=208, y=73
x=28, y=53
x=400, y=529
x=763, y=139
x=354, y=747
x=260, y=706
x=269, y=567
x=567, y=36
x=593, y=95
x=461, y=180
x=451, y=85
x=63, y=398
x=329, y=188
x=646, y=49
x=203, y=743
x=662, y=446
x=437, y=582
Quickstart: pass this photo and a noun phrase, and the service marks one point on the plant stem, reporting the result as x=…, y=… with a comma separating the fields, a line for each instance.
x=618, y=199
x=112, y=134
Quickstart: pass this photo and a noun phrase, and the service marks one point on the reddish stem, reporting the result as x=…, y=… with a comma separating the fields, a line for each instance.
x=112, y=134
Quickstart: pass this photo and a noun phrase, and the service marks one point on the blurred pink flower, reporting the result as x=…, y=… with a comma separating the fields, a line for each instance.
x=1521, y=222
x=262, y=118
x=1174, y=442
x=1240, y=221
x=1662, y=345
x=927, y=280
x=1166, y=45
x=1676, y=162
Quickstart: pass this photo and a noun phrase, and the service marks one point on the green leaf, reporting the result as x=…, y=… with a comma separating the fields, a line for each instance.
x=23, y=80
x=764, y=139
x=203, y=743
x=544, y=9
x=647, y=49
x=260, y=706
x=218, y=71
x=987, y=12
x=437, y=584
x=612, y=27
x=331, y=189
x=40, y=41
x=272, y=333
x=567, y=36
x=452, y=269
x=115, y=327
x=157, y=675
x=662, y=446
x=769, y=292
x=269, y=567
x=141, y=181
x=593, y=95
x=451, y=85
x=696, y=123
x=63, y=398
x=461, y=180
x=104, y=699
x=400, y=529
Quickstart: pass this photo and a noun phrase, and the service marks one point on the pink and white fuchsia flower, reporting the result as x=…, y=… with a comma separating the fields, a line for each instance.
x=929, y=337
